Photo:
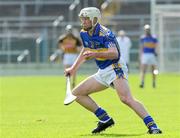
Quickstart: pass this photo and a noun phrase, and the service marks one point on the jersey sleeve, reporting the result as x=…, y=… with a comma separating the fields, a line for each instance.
x=110, y=39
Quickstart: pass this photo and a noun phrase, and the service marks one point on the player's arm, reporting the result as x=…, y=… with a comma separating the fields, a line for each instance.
x=156, y=49
x=141, y=50
x=80, y=59
x=111, y=53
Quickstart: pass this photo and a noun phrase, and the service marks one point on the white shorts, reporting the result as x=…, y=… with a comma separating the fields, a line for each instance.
x=149, y=59
x=69, y=58
x=109, y=74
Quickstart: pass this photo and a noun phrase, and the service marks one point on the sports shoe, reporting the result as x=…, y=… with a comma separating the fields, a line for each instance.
x=102, y=126
x=154, y=131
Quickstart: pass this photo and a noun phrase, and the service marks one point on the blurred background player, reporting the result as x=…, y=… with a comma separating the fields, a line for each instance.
x=125, y=45
x=148, y=44
x=70, y=45
x=101, y=45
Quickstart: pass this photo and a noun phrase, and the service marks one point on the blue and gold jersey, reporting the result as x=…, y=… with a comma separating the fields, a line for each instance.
x=149, y=43
x=101, y=39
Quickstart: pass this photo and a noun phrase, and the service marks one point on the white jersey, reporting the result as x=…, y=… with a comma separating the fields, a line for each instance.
x=125, y=45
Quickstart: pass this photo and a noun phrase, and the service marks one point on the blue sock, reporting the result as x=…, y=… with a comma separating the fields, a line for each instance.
x=150, y=122
x=101, y=114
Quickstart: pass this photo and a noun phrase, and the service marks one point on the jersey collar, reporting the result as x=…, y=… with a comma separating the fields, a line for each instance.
x=96, y=30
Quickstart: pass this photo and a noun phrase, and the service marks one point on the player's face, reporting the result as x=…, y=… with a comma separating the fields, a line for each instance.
x=86, y=23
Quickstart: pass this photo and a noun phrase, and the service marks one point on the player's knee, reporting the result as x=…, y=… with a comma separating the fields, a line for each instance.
x=74, y=92
x=77, y=92
x=78, y=98
x=127, y=100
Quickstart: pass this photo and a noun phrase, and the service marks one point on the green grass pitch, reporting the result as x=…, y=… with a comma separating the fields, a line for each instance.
x=32, y=107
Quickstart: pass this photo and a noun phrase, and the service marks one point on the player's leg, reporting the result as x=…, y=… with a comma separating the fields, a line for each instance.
x=154, y=69
x=142, y=75
x=122, y=88
x=123, y=91
x=144, y=64
x=82, y=91
x=153, y=76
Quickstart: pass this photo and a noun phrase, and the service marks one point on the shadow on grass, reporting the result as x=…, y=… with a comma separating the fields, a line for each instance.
x=113, y=135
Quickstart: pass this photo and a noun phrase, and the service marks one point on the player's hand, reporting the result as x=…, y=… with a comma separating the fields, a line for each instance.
x=89, y=55
x=69, y=71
